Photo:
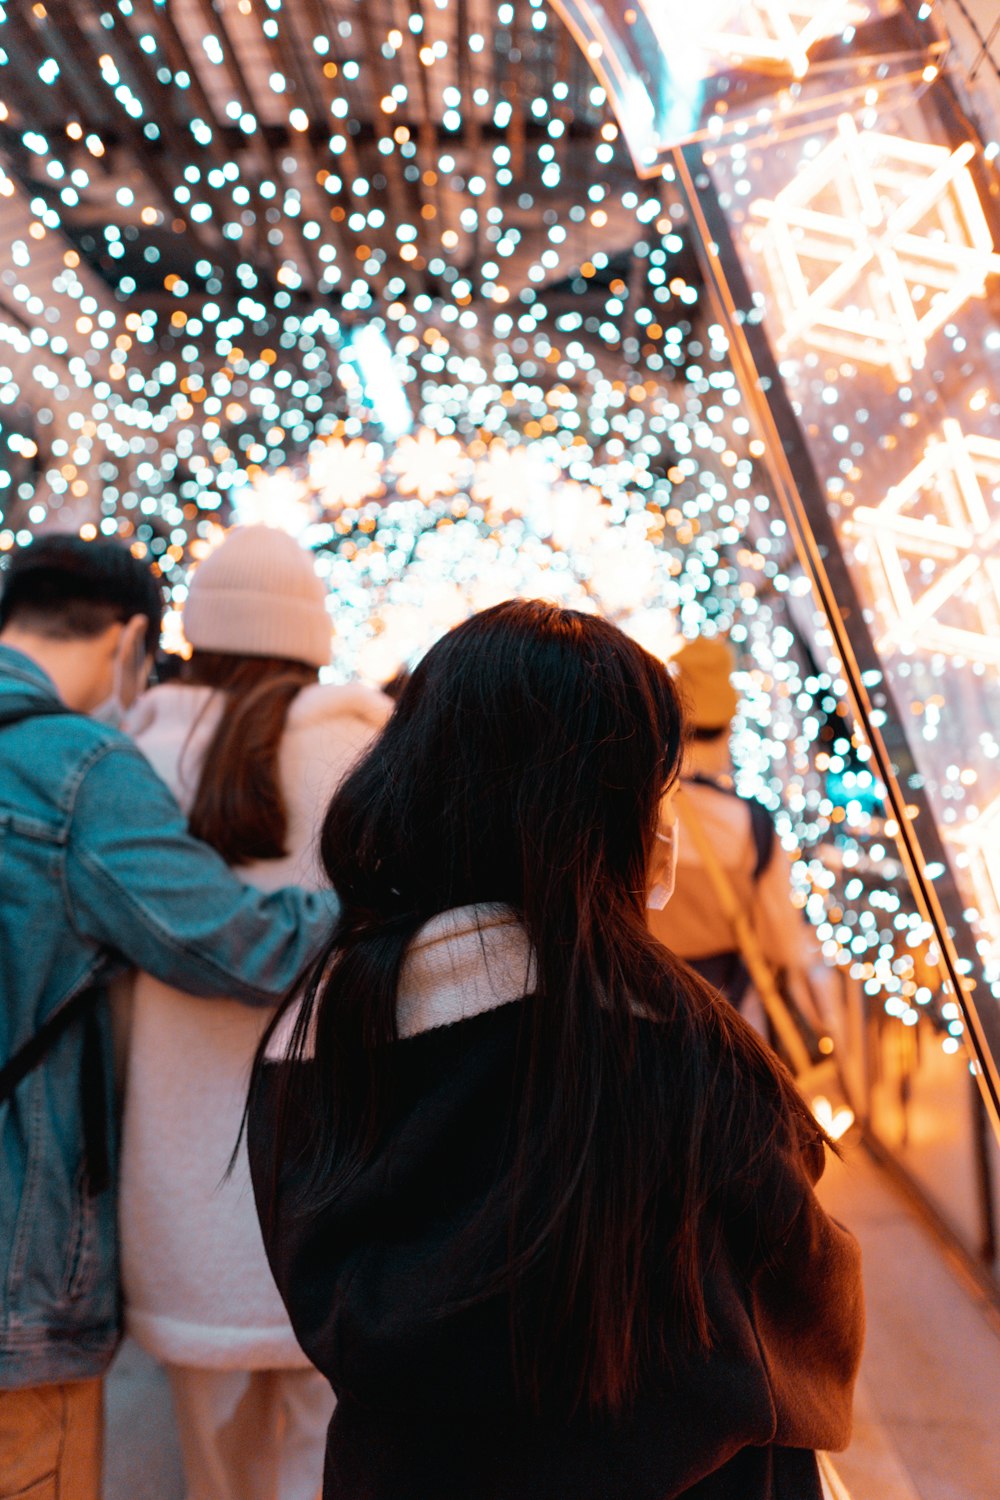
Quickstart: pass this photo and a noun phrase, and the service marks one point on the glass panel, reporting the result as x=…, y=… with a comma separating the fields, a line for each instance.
x=846, y=219
x=674, y=75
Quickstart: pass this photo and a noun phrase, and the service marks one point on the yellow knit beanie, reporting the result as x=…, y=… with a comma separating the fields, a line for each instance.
x=704, y=667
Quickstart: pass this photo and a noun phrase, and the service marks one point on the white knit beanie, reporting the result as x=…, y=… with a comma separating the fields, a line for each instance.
x=258, y=595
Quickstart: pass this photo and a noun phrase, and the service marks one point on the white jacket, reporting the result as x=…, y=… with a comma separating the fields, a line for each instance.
x=198, y=1290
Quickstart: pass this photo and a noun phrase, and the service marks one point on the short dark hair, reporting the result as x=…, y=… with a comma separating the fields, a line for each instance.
x=69, y=589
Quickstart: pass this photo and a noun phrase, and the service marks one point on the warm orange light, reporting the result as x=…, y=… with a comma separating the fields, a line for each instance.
x=874, y=245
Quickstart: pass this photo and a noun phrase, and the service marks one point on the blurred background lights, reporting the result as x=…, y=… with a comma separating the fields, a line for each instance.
x=388, y=278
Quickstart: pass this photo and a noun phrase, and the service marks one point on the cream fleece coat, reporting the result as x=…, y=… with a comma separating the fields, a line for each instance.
x=198, y=1290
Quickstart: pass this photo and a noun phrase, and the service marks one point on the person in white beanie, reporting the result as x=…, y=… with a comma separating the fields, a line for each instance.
x=252, y=745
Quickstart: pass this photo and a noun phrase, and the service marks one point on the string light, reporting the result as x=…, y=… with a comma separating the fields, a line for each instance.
x=187, y=354
x=979, y=843
x=426, y=466
x=346, y=473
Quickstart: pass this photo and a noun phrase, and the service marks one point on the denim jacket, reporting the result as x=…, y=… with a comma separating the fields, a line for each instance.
x=97, y=873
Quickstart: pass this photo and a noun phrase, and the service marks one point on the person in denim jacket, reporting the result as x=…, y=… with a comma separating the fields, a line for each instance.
x=97, y=873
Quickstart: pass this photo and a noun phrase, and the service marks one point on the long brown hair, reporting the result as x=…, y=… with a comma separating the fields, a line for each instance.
x=239, y=808
x=525, y=763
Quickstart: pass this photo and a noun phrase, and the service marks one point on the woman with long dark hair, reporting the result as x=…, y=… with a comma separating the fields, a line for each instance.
x=538, y=1201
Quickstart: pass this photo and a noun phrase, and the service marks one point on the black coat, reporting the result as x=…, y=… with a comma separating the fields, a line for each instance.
x=426, y=1403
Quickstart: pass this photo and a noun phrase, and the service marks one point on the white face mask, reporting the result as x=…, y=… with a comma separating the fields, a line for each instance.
x=110, y=712
x=114, y=709
x=662, y=888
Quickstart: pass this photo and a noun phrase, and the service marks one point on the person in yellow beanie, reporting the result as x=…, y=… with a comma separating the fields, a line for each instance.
x=704, y=669
x=740, y=830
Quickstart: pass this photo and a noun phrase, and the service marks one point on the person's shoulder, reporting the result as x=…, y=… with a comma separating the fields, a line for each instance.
x=165, y=699
x=325, y=702
x=167, y=714
x=72, y=766
x=717, y=803
x=72, y=735
x=102, y=752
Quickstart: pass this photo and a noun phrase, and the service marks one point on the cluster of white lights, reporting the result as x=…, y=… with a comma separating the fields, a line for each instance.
x=776, y=31
x=579, y=432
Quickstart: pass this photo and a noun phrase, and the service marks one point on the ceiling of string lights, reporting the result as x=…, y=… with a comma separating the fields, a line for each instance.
x=240, y=195
x=381, y=272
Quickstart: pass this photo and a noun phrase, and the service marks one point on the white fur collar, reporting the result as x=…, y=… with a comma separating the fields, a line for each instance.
x=180, y=704
x=461, y=963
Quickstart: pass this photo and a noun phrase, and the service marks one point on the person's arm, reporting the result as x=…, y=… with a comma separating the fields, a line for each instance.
x=807, y=1302
x=138, y=883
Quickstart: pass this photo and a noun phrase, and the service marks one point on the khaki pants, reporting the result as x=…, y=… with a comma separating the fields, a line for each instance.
x=50, y=1442
x=251, y=1434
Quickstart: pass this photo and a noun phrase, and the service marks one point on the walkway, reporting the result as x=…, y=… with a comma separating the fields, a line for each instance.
x=927, y=1417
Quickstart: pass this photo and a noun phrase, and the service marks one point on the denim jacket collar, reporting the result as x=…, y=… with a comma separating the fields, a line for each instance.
x=17, y=664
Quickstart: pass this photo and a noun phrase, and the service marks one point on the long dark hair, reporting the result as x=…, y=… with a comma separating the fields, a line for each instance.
x=525, y=764
x=239, y=807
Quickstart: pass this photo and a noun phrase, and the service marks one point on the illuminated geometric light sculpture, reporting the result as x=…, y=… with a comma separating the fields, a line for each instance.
x=874, y=245
x=778, y=31
x=343, y=475
x=936, y=544
x=980, y=842
x=427, y=466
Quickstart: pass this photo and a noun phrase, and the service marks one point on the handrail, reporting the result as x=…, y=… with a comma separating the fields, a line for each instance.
x=832, y=1485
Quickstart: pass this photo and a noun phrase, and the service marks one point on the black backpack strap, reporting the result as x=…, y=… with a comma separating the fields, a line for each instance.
x=35, y=1050
x=94, y=1103
x=762, y=829
x=93, y=1087
x=761, y=826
